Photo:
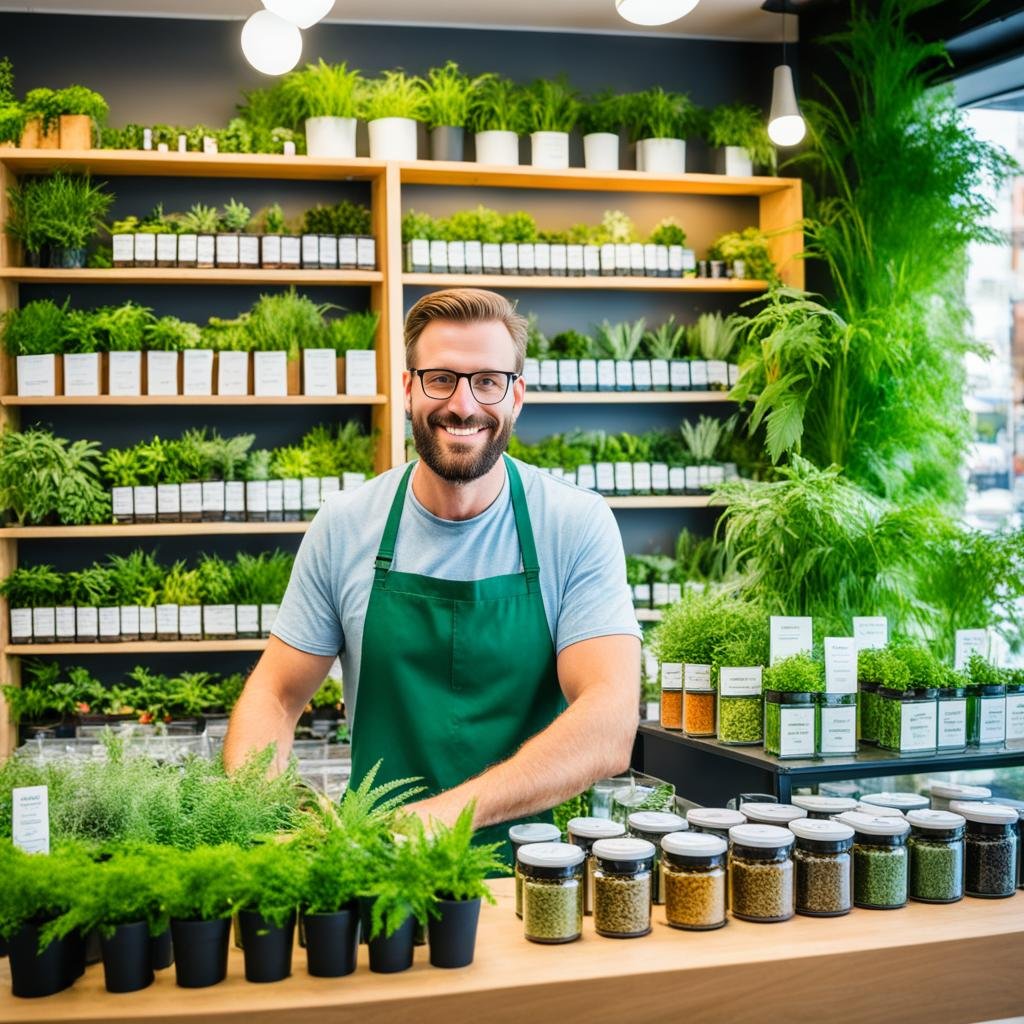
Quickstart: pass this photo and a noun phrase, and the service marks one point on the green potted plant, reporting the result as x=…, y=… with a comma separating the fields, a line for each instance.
x=497, y=116
x=278, y=328
x=216, y=586
x=32, y=595
x=12, y=113
x=233, y=220
x=620, y=343
x=951, y=727
x=744, y=254
x=873, y=665
x=325, y=99
x=457, y=869
x=42, y=127
x=600, y=121
x=448, y=97
x=986, y=703
x=197, y=232
x=353, y=340
x=739, y=667
x=80, y=112
x=905, y=712
x=179, y=613
x=35, y=335
x=663, y=346
x=393, y=106
x=552, y=109
x=739, y=134
x=790, y=714
x=659, y=123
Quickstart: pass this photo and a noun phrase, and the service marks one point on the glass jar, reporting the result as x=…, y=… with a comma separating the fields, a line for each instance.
x=714, y=821
x=901, y=802
x=986, y=715
x=1014, y=712
x=867, y=721
x=822, y=808
x=622, y=887
x=698, y=701
x=771, y=814
x=952, y=718
x=790, y=724
x=880, y=861
x=671, y=696
x=837, y=726
x=552, y=891
x=907, y=720
x=523, y=835
x=822, y=864
x=652, y=825
x=942, y=794
x=740, y=706
x=936, y=847
x=990, y=855
x=761, y=872
x=584, y=832
x=877, y=812
x=693, y=866
x=1018, y=806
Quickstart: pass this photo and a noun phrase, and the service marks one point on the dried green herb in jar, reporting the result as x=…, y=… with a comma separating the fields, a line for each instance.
x=523, y=835
x=740, y=719
x=936, y=847
x=879, y=860
x=622, y=887
x=694, y=880
x=761, y=872
x=822, y=864
x=552, y=891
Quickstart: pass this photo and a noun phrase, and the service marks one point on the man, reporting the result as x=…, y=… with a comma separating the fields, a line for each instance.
x=470, y=596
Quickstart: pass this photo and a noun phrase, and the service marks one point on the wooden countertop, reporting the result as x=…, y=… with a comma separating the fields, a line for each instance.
x=958, y=963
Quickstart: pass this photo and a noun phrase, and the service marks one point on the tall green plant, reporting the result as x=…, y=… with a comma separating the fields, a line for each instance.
x=448, y=96
x=321, y=90
x=551, y=105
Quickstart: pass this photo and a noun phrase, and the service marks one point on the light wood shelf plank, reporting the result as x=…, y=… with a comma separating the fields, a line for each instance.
x=658, y=501
x=189, y=275
x=109, y=530
x=611, y=284
x=144, y=400
x=139, y=647
x=534, y=397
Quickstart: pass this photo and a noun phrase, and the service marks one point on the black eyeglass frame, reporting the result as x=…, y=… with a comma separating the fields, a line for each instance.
x=511, y=379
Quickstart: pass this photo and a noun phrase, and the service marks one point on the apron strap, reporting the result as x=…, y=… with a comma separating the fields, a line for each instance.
x=386, y=551
x=531, y=566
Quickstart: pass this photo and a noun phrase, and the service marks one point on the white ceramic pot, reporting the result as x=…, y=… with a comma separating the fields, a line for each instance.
x=738, y=162
x=550, y=150
x=497, y=147
x=393, y=138
x=664, y=156
x=601, y=151
x=331, y=136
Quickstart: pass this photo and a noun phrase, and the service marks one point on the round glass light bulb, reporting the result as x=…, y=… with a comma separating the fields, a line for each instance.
x=654, y=12
x=303, y=13
x=271, y=44
x=788, y=130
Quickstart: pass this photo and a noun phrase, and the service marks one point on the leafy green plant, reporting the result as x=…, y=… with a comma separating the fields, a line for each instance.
x=200, y=220
x=701, y=625
x=354, y=331
x=344, y=218
x=704, y=439
x=665, y=342
x=497, y=105
x=601, y=113
x=740, y=124
x=286, y=322
x=448, y=96
x=799, y=673
x=181, y=586
x=551, y=106
x=203, y=883
x=272, y=880
x=667, y=232
x=716, y=337
x=518, y=226
x=234, y=216
x=620, y=341
x=77, y=99
x=38, y=888
x=328, y=884
x=274, y=220
x=394, y=94
x=12, y=122
x=215, y=579
x=37, y=328
x=571, y=345
x=321, y=90
x=657, y=114
x=260, y=579
x=455, y=867
x=41, y=104
x=37, y=586
x=63, y=210
x=751, y=246
x=135, y=578
x=90, y=587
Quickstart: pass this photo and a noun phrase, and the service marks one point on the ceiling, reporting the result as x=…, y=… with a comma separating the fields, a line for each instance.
x=711, y=19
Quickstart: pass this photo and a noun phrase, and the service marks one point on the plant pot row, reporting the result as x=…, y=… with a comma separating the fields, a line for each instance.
x=656, y=595
x=643, y=478
x=233, y=501
x=125, y=623
x=605, y=375
x=321, y=373
x=233, y=250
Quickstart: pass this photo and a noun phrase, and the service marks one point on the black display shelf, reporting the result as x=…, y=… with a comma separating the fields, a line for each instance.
x=710, y=773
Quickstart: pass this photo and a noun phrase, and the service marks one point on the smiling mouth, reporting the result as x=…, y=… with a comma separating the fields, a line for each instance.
x=462, y=431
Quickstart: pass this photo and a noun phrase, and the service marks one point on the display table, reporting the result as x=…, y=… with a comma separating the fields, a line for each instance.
x=958, y=963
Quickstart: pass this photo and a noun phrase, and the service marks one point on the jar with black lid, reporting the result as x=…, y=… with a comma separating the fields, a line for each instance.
x=936, y=847
x=821, y=861
x=990, y=854
x=1018, y=806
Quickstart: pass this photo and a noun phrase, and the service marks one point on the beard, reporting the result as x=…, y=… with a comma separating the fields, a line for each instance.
x=464, y=463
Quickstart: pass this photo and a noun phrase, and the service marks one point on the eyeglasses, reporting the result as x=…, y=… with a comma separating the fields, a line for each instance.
x=489, y=387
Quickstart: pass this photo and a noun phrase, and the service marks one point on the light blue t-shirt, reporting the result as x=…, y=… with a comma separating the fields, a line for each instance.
x=579, y=551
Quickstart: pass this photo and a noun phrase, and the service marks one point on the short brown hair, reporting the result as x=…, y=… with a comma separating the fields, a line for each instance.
x=465, y=306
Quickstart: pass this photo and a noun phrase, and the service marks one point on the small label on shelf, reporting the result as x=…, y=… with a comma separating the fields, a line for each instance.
x=671, y=676
x=718, y=373
x=144, y=499
x=162, y=373
x=675, y=260
x=328, y=486
x=918, y=725
x=219, y=620
x=677, y=479
x=145, y=247
x=167, y=248
x=663, y=261
x=679, y=374
x=37, y=375
x=122, y=501
x=796, y=731
x=188, y=249
x=232, y=373
x=1014, y=716
x=642, y=477
x=608, y=258
x=693, y=478
x=206, y=250
x=190, y=620
x=698, y=374
x=147, y=620
x=623, y=477
x=360, y=372
x=44, y=622
x=213, y=497
x=256, y=496
x=591, y=260
x=606, y=374
x=622, y=263
x=840, y=664
x=968, y=643
x=198, y=371
x=65, y=623
x=87, y=622
x=110, y=621
x=124, y=373
x=790, y=634
x=689, y=258
x=311, y=250
x=310, y=493
x=492, y=257
x=839, y=729
x=568, y=374
x=327, y=252
x=319, y=372
x=234, y=496
x=992, y=719
x=585, y=477
x=587, y=369
x=952, y=716
x=651, y=260
x=348, y=252
x=248, y=250
x=123, y=247
x=605, y=472
x=192, y=498
x=129, y=620
x=525, y=257
x=366, y=252
x=227, y=250
x=659, y=477
x=275, y=496
x=870, y=631
x=574, y=259
x=696, y=677
x=624, y=374
x=270, y=373
x=30, y=819
x=659, y=594
x=549, y=374
x=268, y=613
x=733, y=374
x=675, y=593
x=291, y=250
x=82, y=373
x=660, y=379
x=474, y=257
x=167, y=619
x=642, y=378
x=531, y=371
x=292, y=495
x=457, y=257
x=509, y=257
x=168, y=499
x=740, y=681
x=350, y=481
x=247, y=618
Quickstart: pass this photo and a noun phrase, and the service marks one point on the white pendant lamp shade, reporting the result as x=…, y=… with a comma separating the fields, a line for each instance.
x=786, y=126
x=302, y=13
x=271, y=44
x=654, y=12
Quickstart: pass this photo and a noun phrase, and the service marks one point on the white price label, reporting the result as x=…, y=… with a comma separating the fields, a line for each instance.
x=671, y=676
x=796, y=731
x=970, y=642
x=839, y=730
x=790, y=634
x=742, y=681
x=840, y=664
x=870, y=631
x=30, y=822
x=918, y=725
x=697, y=677
x=952, y=717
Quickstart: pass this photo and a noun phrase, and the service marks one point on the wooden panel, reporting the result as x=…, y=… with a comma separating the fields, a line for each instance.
x=783, y=211
x=659, y=501
x=607, y=284
x=137, y=647
x=147, y=530
x=393, y=337
x=155, y=400
x=956, y=964
x=189, y=275
x=534, y=397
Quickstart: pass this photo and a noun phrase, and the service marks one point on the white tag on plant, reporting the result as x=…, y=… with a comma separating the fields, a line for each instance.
x=233, y=373
x=739, y=681
x=82, y=373
x=270, y=371
x=30, y=819
x=970, y=642
x=21, y=623
x=319, y=372
x=790, y=634
x=198, y=371
x=360, y=372
x=840, y=664
x=124, y=373
x=37, y=375
x=870, y=631
x=161, y=373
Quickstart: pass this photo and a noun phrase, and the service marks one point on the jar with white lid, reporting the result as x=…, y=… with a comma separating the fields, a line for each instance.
x=761, y=872
x=652, y=825
x=880, y=860
x=823, y=867
x=944, y=793
x=877, y=810
x=714, y=821
x=936, y=847
x=822, y=808
x=693, y=879
x=771, y=814
x=901, y=802
x=523, y=835
x=584, y=832
x=622, y=887
x=1018, y=806
x=990, y=855
x=552, y=891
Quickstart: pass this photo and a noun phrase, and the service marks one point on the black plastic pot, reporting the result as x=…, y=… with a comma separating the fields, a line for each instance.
x=161, y=950
x=388, y=955
x=127, y=962
x=74, y=956
x=453, y=934
x=446, y=143
x=200, y=951
x=93, y=948
x=36, y=974
x=332, y=942
x=266, y=947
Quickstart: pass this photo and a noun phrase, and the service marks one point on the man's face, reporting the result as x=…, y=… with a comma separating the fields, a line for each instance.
x=461, y=438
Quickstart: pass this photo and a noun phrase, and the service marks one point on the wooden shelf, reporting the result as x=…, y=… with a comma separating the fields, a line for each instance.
x=535, y=397
x=634, y=284
x=189, y=275
x=659, y=501
x=139, y=647
x=109, y=530
x=57, y=400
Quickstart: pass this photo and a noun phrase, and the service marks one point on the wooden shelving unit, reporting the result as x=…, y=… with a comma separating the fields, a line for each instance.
x=138, y=647
x=779, y=212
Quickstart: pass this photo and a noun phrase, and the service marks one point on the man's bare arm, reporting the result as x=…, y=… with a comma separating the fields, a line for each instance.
x=280, y=686
x=591, y=739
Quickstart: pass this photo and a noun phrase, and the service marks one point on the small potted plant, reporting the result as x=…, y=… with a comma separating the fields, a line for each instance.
x=448, y=96
x=352, y=340
x=790, y=713
x=234, y=218
x=80, y=112
x=906, y=711
x=394, y=105
x=42, y=120
x=660, y=122
x=739, y=664
x=35, y=336
x=986, y=703
x=744, y=254
x=457, y=869
x=739, y=134
x=552, y=109
x=197, y=236
x=325, y=98
x=600, y=120
x=12, y=124
x=497, y=115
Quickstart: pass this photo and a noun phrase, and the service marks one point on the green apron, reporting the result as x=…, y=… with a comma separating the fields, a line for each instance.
x=455, y=675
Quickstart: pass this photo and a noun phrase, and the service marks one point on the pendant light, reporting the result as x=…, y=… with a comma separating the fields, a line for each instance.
x=654, y=12
x=303, y=13
x=786, y=126
x=271, y=44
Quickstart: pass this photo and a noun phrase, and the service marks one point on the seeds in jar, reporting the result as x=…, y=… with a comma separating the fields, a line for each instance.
x=879, y=876
x=552, y=910
x=822, y=883
x=695, y=899
x=672, y=709
x=622, y=904
x=936, y=870
x=699, y=713
x=991, y=865
x=761, y=890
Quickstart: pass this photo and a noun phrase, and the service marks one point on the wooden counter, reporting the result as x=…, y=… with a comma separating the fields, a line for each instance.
x=959, y=963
